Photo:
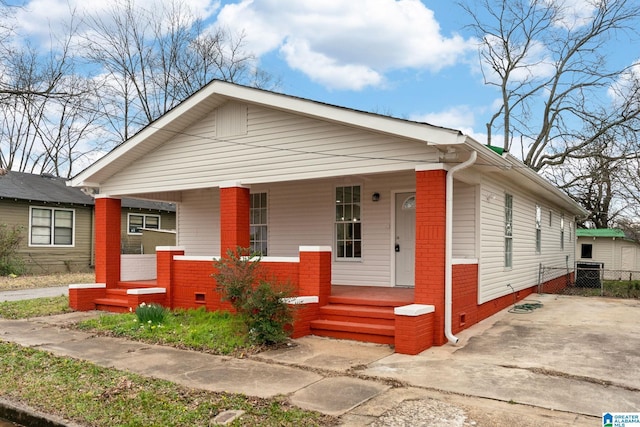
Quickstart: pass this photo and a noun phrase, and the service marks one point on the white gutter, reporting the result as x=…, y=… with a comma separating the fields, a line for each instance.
x=448, y=260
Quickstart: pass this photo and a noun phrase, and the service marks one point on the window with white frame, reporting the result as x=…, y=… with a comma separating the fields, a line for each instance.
x=51, y=227
x=348, y=223
x=562, y=231
x=136, y=222
x=258, y=223
x=508, y=230
x=538, y=229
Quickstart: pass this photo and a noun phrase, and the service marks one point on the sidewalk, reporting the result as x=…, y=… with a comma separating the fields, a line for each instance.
x=22, y=294
x=367, y=384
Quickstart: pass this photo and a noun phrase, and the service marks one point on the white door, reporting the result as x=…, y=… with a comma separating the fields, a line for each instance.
x=405, y=238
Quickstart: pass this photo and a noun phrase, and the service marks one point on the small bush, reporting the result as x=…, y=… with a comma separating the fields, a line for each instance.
x=151, y=313
x=241, y=281
x=10, y=261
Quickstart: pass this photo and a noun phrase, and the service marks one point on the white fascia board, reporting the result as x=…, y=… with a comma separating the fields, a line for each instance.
x=420, y=131
x=528, y=173
x=159, y=125
x=429, y=134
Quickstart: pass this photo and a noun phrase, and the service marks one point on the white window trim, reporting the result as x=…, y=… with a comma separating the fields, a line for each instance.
x=268, y=218
x=145, y=221
x=52, y=244
x=335, y=236
x=538, y=229
x=506, y=237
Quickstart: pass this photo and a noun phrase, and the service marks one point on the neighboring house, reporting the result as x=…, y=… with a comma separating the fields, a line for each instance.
x=391, y=231
x=58, y=221
x=610, y=248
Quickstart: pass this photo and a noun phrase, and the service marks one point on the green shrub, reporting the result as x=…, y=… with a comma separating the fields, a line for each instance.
x=241, y=281
x=151, y=313
x=10, y=261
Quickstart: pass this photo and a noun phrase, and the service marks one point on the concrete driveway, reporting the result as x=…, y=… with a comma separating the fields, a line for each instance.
x=575, y=354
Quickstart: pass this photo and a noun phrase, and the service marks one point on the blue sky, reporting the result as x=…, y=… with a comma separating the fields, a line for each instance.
x=407, y=58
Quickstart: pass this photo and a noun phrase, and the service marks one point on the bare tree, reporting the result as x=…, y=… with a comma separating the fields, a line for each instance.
x=46, y=108
x=154, y=59
x=550, y=66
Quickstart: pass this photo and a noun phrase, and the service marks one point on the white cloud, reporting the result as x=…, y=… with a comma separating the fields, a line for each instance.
x=345, y=44
x=457, y=117
x=573, y=14
x=624, y=88
x=40, y=18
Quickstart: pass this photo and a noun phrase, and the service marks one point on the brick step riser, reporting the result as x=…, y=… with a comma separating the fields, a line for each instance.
x=112, y=308
x=360, y=302
x=354, y=336
x=358, y=319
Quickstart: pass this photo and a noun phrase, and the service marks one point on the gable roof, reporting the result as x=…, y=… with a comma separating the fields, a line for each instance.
x=217, y=93
x=47, y=188
x=600, y=232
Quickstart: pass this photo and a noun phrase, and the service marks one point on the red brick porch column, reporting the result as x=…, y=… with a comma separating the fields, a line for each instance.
x=164, y=269
x=315, y=272
x=107, y=212
x=234, y=217
x=430, y=244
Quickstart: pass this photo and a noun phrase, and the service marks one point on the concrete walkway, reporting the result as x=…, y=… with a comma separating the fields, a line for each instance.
x=561, y=365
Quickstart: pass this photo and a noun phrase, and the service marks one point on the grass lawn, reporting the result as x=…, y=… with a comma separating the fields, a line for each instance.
x=610, y=288
x=96, y=396
x=201, y=330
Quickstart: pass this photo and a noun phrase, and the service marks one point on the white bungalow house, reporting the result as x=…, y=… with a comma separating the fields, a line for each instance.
x=392, y=231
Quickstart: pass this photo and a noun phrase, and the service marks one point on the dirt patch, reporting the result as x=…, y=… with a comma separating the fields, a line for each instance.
x=44, y=281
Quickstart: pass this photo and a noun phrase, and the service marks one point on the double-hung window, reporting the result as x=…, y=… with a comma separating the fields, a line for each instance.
x=51, y=227
x=538, y=229
x=508, y=231
x=562, y=231
x=136, y=222
x=258, y=223
x=348, y=223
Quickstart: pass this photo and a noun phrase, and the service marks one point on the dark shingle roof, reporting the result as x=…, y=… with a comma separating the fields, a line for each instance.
x=50, y=189
x=40, y=188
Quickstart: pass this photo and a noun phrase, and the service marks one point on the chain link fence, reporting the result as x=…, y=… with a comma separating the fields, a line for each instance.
x=589, y=279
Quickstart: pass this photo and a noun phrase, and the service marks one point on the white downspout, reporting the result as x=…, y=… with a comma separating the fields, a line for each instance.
x=448, y=258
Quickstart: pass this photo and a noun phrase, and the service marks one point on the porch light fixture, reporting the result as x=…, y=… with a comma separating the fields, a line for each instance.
x=375, y=197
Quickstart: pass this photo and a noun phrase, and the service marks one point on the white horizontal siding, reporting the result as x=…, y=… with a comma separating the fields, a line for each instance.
x=464, y=220
x=277, y=147
x=198, y=222
x=494, y=277
x=302, y=213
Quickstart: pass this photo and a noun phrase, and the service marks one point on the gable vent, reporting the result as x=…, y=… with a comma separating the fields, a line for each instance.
x=231, y=120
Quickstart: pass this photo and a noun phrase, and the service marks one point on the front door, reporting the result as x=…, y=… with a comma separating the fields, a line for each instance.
x=405, y=238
